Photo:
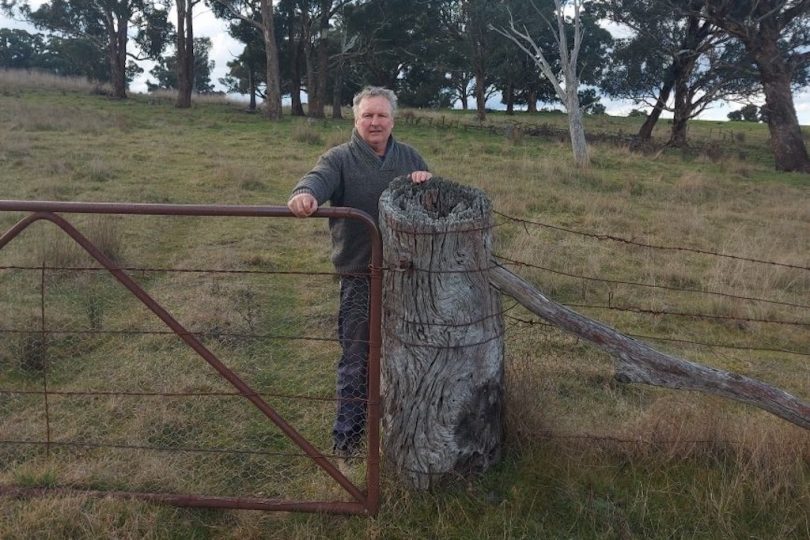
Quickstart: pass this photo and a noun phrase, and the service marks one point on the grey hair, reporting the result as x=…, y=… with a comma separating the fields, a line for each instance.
x=374, y=91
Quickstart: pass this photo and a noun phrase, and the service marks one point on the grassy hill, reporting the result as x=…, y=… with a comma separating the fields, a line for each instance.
x=586, y=456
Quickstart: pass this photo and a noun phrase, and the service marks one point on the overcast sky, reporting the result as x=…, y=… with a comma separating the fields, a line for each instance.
x=225, y=48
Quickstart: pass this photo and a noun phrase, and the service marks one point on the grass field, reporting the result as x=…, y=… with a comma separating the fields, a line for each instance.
x=586, y=457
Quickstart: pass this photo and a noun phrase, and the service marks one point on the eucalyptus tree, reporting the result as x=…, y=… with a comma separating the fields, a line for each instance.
x=324, y=17
x=259, y=15
x=346, y=48
x=291, y=53
x=246, y=74
x=185, y=54
x=567, y=22
x=107, y=25
x=459, y=76
x=518, y=81
x=671, y=49
x=20, y=49
x=467, y=24
x=166, y=71
x=305, y=38
x=776, y=35
x=749, y=113
x=393, y=41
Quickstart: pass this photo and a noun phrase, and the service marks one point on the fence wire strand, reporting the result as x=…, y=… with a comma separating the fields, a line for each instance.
x=627, y=241
x=514, y=262
x=537, y=322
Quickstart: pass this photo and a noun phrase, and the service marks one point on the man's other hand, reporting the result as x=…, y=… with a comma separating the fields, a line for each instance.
x=417, y=177
x=303, y=205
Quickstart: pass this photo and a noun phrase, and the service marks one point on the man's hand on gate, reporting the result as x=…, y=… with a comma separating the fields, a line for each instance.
x=303, y=205
x=417, y=177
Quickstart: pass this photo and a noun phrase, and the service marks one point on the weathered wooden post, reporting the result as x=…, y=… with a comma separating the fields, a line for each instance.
x=443, y=337
x=442, y=332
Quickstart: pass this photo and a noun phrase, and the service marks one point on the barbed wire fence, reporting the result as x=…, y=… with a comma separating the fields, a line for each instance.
x=781, y=335
x=139, y=394
x=232, y=407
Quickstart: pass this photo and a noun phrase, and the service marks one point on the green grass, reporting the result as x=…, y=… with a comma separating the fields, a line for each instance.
x=586, y=457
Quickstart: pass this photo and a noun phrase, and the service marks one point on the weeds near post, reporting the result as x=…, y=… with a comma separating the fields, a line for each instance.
x=58, y=250
x=247, y=307
x=32, y=353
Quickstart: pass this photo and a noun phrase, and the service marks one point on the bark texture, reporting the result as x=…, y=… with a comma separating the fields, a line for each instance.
x=645, y=132
x=272, y=98
x=184, y=55
x=442, y=332
x=117, y=26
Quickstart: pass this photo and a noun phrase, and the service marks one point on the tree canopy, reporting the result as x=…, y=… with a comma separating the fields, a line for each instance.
x=679, y=56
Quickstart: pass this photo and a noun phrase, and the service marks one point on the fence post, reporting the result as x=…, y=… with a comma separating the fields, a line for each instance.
x=442, y=332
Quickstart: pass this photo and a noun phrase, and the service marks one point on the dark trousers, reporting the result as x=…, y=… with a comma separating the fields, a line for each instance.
x=352, y=372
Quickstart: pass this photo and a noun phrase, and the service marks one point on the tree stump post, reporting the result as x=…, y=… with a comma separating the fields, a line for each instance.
x=442, y=375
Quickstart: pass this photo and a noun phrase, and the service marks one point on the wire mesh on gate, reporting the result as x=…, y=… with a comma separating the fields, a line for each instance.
x=190, y=385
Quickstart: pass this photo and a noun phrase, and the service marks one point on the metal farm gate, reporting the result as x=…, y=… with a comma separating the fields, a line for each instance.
x=106, y=389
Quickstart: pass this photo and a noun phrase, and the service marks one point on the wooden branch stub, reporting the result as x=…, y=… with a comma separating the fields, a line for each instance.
x=442, y=372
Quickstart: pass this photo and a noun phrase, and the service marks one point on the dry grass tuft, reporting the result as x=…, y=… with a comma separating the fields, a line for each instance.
x=694, y=187
x=58, y=250
x=307, y=134
x=19, y=79
x=336, y=138
x=169, y=97
x=246, y=176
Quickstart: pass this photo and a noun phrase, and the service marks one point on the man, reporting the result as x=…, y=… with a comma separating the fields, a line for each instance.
x=355, y=174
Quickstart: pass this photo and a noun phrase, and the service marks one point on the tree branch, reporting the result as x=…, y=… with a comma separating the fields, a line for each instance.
x=233, y=11
x=637, y=362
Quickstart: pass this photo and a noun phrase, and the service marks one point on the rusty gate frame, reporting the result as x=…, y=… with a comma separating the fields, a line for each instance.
x=363, y=502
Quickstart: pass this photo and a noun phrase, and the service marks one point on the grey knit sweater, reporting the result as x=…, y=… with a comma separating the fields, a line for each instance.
x=353, y=175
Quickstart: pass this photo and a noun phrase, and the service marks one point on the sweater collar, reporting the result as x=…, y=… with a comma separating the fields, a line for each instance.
x=369, y=152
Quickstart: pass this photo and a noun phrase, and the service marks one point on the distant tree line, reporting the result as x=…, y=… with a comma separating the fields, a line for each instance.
x=77, y=57
x=749, y=113
x=679, y=56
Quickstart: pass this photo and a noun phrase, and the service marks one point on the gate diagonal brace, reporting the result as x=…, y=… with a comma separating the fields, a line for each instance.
x=123, y=278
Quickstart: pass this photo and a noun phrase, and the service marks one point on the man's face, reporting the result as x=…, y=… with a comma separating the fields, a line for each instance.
x=375, y=122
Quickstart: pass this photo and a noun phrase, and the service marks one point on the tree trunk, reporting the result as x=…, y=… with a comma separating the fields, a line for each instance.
x=312, y=81
x=317, y=97
x=442, y=332
x=677, y=136
x=296, y=108
x=184, y=54
x=645, y=132
x=531, y=100
x=761, y=35
x=789, y=150
x=462, y=96
x=576, y=129
x=117, y=53
x=510, y=99
x=273, y=95
x=337, y=93
x=252, y=86
x=480, y=97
